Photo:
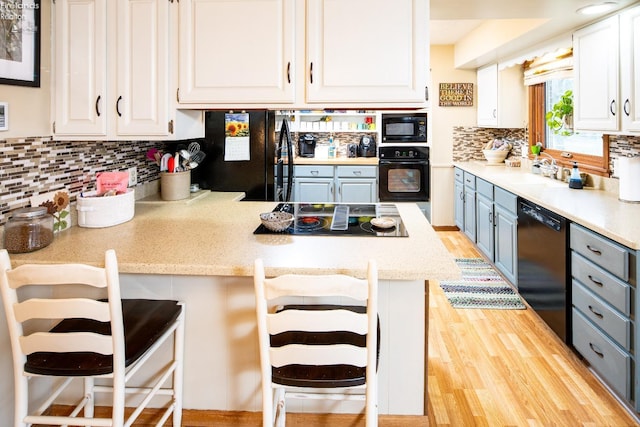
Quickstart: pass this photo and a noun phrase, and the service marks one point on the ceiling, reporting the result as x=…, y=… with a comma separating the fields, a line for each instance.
x=456, y=22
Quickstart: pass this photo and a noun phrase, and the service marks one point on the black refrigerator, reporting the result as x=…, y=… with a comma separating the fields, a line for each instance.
x=252, y=169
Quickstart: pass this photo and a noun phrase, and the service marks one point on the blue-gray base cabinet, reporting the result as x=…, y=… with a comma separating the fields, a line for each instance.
x=335, y=184
x=604, y=309
x=488, y=215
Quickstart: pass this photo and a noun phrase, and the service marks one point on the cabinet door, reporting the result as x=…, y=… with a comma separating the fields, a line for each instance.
x=506, y=255
x=141, y=98
x=488, y=95
x=352, y=190
x=458, y=198
x=595, y=67
x=80, y=67
x=382, y=57
x=630, y=69
x=312, y=190
x=238, y=51
x=470, y=213
x=484, y=225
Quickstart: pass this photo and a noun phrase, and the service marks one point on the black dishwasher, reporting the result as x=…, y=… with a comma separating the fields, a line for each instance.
x=543, y=269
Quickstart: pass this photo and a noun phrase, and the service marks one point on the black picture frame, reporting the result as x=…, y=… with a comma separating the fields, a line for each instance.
x=20, y=42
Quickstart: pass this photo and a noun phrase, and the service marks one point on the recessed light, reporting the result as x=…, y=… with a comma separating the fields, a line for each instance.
x=594, y=9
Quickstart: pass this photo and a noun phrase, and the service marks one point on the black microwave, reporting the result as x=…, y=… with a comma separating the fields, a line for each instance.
x=404, y=127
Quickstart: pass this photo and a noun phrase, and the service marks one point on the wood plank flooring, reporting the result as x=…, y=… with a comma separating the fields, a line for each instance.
x=486, y=368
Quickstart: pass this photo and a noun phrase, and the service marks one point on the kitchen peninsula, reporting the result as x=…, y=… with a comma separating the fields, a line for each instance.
x=202, y=251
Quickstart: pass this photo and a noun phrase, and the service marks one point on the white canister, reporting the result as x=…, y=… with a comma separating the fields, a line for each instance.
x=628, y=171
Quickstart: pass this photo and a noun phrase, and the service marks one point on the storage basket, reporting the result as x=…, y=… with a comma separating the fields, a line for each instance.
x=97, y=212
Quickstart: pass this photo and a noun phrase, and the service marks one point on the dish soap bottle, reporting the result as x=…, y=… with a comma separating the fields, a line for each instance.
x=332, y=147
x=575, y=181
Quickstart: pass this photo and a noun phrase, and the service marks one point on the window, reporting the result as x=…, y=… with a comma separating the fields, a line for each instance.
x=590, y=150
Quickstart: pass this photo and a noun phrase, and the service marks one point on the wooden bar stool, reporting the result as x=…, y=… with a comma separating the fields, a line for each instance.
x=91, y=339
x=317, y=351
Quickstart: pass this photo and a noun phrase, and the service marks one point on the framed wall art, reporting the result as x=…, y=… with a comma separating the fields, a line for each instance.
x=20, y=42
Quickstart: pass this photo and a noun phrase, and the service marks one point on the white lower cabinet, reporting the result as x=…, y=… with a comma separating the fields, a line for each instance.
x=340, y=184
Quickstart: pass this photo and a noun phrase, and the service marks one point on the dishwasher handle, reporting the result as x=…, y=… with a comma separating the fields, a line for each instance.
x=541, y=215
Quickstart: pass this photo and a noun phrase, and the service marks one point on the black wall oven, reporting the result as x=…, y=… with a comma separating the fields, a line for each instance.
x=403, y=174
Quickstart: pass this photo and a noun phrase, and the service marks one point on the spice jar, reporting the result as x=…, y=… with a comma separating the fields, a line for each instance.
x=29, y=229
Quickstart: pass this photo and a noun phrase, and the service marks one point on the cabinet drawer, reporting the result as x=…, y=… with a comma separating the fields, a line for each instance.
x=356, y=171
x=469, y=180
x=458, y=174
x=485, y=188
x=507, y=200
x=604, y=355
x=604, y=252
x=602, y=315
x=602, y=283
x=313, y=171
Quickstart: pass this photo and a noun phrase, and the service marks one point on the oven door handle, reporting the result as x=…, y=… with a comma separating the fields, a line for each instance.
x=403, y=162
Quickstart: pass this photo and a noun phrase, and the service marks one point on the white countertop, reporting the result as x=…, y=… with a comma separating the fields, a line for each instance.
x=596, y=209
x=213, y=236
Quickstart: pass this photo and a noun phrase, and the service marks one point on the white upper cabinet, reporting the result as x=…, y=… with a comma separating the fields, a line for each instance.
x=367, y=51
x=113, y=74
x=80, y=67
x=501, y=97
x=295, y=54
x=630, y=69
x=595, y=55
x=607, y=70
x=237, y=51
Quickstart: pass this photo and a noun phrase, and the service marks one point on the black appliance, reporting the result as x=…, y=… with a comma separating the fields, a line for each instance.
x=352, y=150
x=307, y=145
x=403, y=174
x=339, y=220
x=543, y=273
x=410, y=128
x=257, y=176
x=367, y=146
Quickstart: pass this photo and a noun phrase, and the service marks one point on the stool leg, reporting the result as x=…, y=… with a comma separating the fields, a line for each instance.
x=21, y=404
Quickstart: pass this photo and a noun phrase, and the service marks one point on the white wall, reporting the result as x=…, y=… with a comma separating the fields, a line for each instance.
x=29, y=107
x=442, y=120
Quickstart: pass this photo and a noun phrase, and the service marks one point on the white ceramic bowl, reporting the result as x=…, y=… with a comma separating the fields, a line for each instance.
x=495, y=156
x=276, y=221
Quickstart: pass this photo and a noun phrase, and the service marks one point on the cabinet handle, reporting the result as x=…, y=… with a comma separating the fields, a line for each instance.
x=599, y=353
x=311, y=73
x=595, y=281
x=118, y=106
x=357, y=173
x=98, y=106
x=598, y=315
x=495, y=113
x=462, y=195
x=612, y=106
x=594, y=250
x=289, y=72
x=314, y=173
x=491, y=218
x=426, y=93
x=626, y=108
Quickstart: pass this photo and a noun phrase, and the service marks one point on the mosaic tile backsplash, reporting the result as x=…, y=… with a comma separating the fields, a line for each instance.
x=31, y=166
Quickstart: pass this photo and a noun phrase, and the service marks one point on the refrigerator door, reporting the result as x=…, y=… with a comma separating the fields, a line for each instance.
x=283, y=193
x=255, y=177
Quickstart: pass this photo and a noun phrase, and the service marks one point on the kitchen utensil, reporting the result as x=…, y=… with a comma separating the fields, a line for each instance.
x=193, y=148
x=164, y=162
x=176, y=163
x=170, y=164
x=196, y=159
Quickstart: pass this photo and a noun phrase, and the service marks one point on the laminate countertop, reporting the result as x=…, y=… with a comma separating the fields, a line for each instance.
x=212, y=235
x=598, y=209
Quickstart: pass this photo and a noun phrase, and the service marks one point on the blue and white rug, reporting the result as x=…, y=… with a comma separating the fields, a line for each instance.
x=481, y=286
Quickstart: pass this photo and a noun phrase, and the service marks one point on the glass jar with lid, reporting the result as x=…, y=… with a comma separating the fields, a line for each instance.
x=28, y=229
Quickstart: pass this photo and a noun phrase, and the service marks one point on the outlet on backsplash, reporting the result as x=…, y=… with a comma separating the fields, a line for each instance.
x=133, y=176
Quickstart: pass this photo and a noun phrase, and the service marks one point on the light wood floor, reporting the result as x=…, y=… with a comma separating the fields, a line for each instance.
x=485, y=368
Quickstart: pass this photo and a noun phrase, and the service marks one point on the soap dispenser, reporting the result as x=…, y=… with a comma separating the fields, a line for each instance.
x=575, y=181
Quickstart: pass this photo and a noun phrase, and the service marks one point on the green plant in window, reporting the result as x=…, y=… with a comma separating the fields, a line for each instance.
x=560, y=117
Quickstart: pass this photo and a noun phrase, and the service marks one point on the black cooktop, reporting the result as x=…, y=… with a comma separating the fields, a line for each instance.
x=328, y=219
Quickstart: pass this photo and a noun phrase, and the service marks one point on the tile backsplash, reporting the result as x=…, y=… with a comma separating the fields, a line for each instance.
x=468, y=142
x=31, y=166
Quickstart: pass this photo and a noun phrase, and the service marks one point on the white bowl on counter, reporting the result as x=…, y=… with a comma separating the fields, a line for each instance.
x=495, y=157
